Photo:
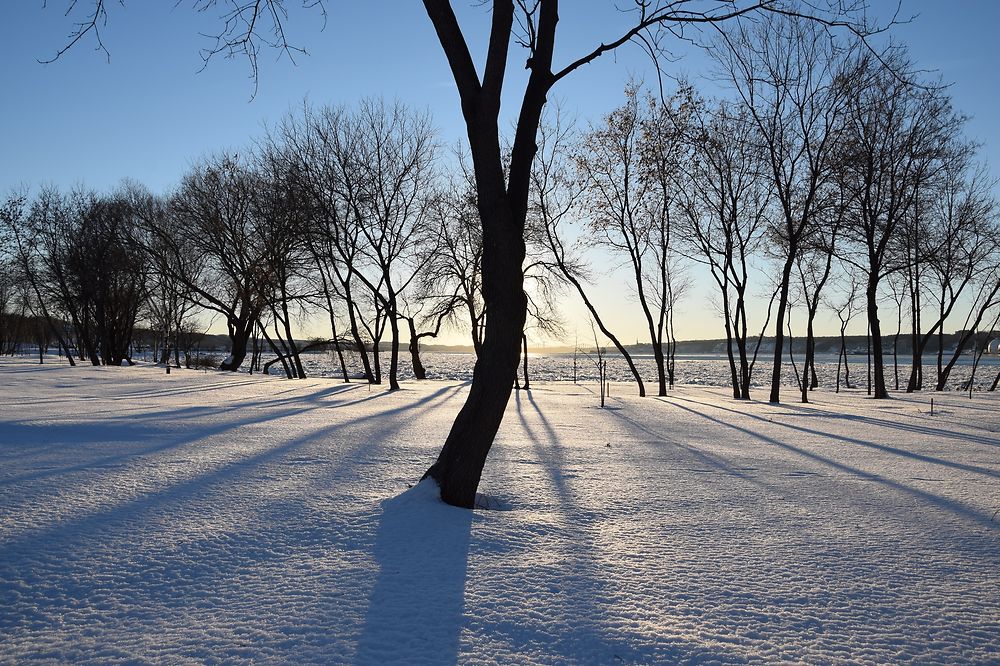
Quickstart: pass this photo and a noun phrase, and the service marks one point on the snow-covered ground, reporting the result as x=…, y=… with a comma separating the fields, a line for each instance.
x=209, y=518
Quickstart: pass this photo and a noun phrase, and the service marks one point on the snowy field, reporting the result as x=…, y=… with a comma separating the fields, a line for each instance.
x=215, y=518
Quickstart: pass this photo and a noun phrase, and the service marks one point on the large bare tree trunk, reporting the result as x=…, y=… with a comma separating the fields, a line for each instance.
x=238, y=339
x=876, y=342
x=779, y=328
x=419, y=371
x=502, y=202
x=460, y=464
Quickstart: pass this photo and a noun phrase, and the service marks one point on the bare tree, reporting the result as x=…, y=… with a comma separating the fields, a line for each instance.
x=845, y=307
x=369, y=176
x=555, y=194
x=667, y=129
x=394, y=157
x=627, y=164
x=108, y=274
x=959, y=215
x=321, y=142
x=212, y=217
x=452, y=280
x=896, y=134
x=14, y=292
x=724, y=217
x=791, y=77
x=984, y=302
x=503, y=200
x=282, y=206
x=503, y=183
x=420, y=325
x=26, y=247
x=813, y=265
x=898, y=288
x=75, y=254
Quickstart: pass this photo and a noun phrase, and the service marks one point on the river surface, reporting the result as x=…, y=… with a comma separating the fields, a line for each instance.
x=704, y=369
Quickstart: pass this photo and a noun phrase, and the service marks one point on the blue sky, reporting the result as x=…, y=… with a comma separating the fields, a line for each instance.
x=148, y=112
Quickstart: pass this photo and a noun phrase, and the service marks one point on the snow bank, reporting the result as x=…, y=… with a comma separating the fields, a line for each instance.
x=209, y=517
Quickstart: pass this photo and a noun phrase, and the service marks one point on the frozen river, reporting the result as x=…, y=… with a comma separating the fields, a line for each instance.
x=704, y=370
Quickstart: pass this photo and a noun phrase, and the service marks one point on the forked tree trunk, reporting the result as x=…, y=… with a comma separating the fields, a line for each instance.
x=741, y=341
x=237, y=350
x=418, y=367
x=734, y=376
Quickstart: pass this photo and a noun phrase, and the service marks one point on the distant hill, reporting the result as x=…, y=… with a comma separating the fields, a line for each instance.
x=828, y=344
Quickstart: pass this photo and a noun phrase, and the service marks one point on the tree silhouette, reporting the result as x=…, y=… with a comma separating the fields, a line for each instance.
x=502, y=178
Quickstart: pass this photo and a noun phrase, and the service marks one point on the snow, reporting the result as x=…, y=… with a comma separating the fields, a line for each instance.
x=206, y=517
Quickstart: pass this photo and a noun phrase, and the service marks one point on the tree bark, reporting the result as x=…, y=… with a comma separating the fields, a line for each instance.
x=239, y=336
x=876, y=342
x=418, y=367
x=460, y=463
x=779, y=329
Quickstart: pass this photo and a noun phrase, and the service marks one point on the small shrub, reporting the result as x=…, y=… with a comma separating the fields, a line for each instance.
x=206, y=362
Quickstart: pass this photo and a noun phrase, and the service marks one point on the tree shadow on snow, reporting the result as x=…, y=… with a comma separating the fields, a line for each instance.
x=111, y=539
x=416, y=608
x=180, y=491
x=582, y=579
x=817, y=412
x=955, y=507
x=884, y=448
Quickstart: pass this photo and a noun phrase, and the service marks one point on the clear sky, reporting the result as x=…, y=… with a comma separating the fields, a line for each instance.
x=147, y=112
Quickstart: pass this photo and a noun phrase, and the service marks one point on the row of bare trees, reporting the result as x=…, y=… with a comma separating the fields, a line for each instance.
x=72, y=262
x=503, y=177
x=837, y=170
x=824, y=164
x=339, y=210
x=857, y=153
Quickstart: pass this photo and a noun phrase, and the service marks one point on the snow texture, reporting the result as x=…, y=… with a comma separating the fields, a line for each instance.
x=205, y=517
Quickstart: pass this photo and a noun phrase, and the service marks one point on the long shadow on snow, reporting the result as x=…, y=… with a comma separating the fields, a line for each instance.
x=58, y=540
x=718, y=462
x=907, y=427
x=138, y=432
x=921, y=400
x=141, y=394
x=32, y=369
x=192, y=486
x=885, y=448
x=60, y=436
x=954, y=507
x=185, y=389
x=416, y=607
x=588, y=634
